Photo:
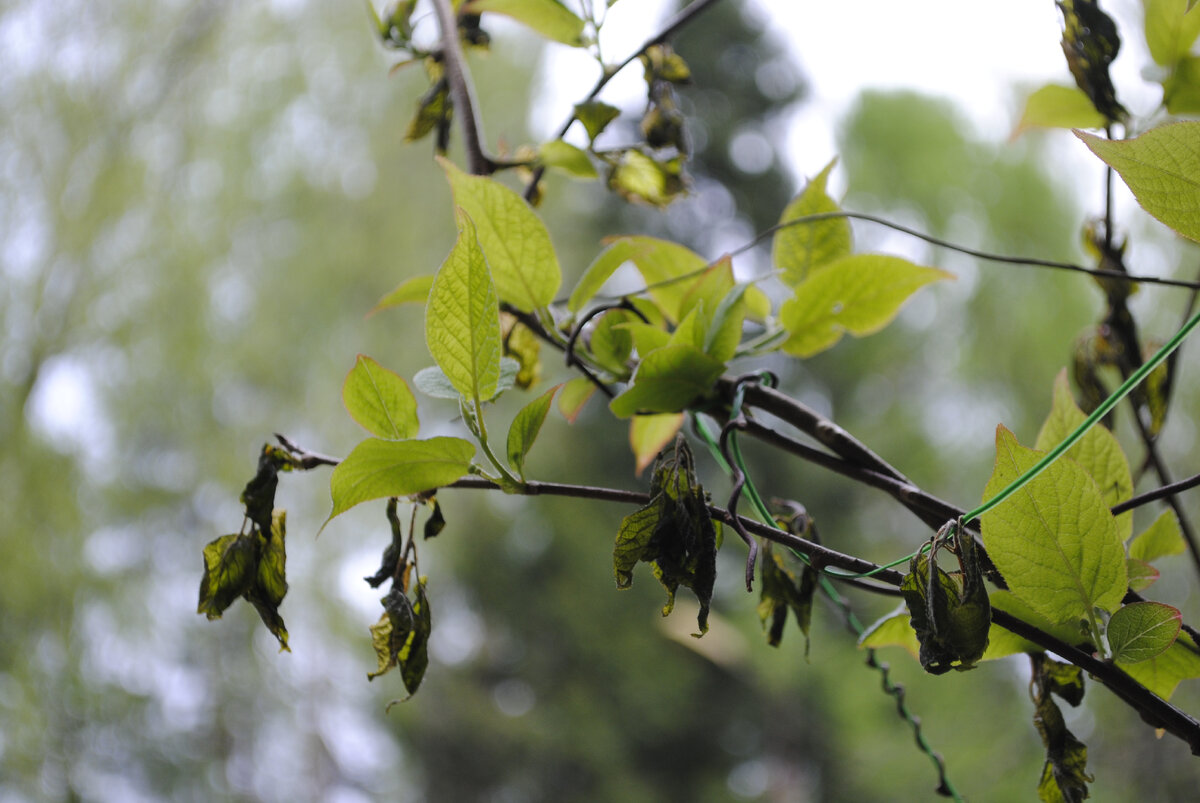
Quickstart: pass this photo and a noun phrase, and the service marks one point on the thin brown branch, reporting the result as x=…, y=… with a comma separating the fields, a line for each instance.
x=461, y=90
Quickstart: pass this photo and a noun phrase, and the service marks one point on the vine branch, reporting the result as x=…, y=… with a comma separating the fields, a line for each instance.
x=461, y=90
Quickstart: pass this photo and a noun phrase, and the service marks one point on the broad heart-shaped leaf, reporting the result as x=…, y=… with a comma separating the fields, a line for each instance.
x=1098, y=452
x=668, y=380
x=1142, y=630
x=1163, y=673
x=650, y=434
x=514, y=240
x=549, y=18
x=1162, y=168
x=525, y=428
x=892, y=630
x=377, y=469
x=462, y=319
x=379, y=400
x=410, y=291
x=1160, y=539
x=1056, y=106
x=800, y=249
x=663, y=264
x=1054, y=540
x=859, y=294
x=1170, y=29
x=1004, y=642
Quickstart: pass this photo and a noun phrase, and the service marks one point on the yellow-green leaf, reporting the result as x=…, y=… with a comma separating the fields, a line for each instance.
x=567, y=158
x=650, y=434
x=379, y=400
x=513, y=238
x=1142, y=630
x=595, y=116
x=666, y=268
x=549, y=18
x=1163, y=673
x=1098, y=451
x=1054, y=540
x=1181, y=89
x=892, y=630
x=1171, y=29
x=377, y=469
x=616, y=254
x=859, y=294
x=462, y=319
x=410, y=291
x=525, y=428
x=574, y=396
x=667, y=380
x=1055, y=106
x=802, y=248
x=1162, y=168
x=229, y=565
x=1160, y=539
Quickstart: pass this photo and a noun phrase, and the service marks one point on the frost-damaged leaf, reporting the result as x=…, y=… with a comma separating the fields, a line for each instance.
x=781, y=592
x=1142, y=630
x=1054, y=541
x=1163, y=673
x=410, y=291
x=1170, y=29
x=1064, y=776
x=637, y=176
x=859, y=294
x=951, y=615
x=673, y=532
x=462, y=319
x=525, y=428
x=1098, y=452
x=1090, y=43
x=567, y=158
x=401, y=636
x=434, y=110
x=377, y=469
x=1162, y=538
x=1055, y=106
x=892, y=630
x=513, y=238
x=800, y=249
x=650, y=434
x=229, y=566
x=549, y=18
x=595, y=117
x=436, y=521
x=575, y=394
x=1162, y=168
x=379, y=400
x=269, y=586
x=667, y=381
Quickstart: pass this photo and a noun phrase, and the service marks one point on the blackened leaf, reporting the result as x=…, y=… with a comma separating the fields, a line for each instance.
x=951, y=616
x=1090, y=43
x=662, y=63
x=391, y=632
x=259, y=494
x=1065, y=680
x=633, y=540
x=230, y=563
x=389, y=565
x=434, y=110
x=269, y=585
x=781, y=592
x=414, y=655
x=1064, y=777
x=595, y=117
x=436, y=521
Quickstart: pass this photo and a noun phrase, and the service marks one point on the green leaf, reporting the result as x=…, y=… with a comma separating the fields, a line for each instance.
x=432, y=381
x=650, y=434
x=1054, y=541
x=595, y=117
x=1002, y=600
x=379, y=400
x=665, y=266
x=783, y=592
x=434, y=110
x=1163, y=673
x=1162, y=538
x=1170, y=29
x=1141, y=574
x=610, y=343
x=525, y=428
x=859, y=294
x=1181, y=90
x=1162, y=168
x=667, y=380
x=513, y=238
x=1142, y=630
x=892, y=630
x=462, y=320
x=549, y=18
x=377, y=469
x=637, y=177
x=567, y=158
x=410, y=291
x=574, y=396
x=800, y=249
x=269, y=586
x=230, y=563
x=646, y=337
x=1098, y=452
x=603, y=266
x=1055, y=106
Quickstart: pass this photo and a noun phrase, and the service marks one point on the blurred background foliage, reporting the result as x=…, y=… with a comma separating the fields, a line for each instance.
x=199, y=203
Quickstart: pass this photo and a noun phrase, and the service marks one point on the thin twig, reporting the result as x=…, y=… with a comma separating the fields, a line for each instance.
x=461, y=90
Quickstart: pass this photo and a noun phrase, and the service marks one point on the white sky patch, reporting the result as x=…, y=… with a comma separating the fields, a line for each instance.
x=64, y=408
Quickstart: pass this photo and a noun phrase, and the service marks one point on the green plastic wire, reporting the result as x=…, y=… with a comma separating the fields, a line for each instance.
x=1120, y=393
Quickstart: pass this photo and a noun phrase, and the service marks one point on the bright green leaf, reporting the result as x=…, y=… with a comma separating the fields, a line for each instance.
x=610, y=343
x=1142, y=630
x=1054, y=541
x=574, y=396
x=1170, y=29
x=410, y=291
x=1055, y=106
x=690, y=331
x=513, y=239
x=525, y=428
x=595, y=116
x=668, y=380
x=462, y=320
x=650, y=434
x=800, y=249
x=549, y=18
x=603, y=266
x=664, y=266
x=859, y=294
x=646, y=338
x=379, y=400
x=637, y=177
x=1098, y=452
x=892, y=630
x=1163, y=673
x=1162, y=168
x=1181, y=90
x=1162, y=538
x=1070, y=632
x=567, y=158
x=377, y=469
x=1141, y=574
